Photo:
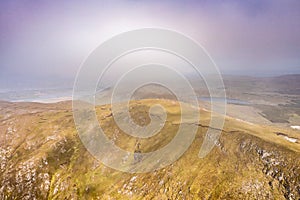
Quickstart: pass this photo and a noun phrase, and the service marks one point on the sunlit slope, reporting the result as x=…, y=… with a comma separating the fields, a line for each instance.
x=42, y=157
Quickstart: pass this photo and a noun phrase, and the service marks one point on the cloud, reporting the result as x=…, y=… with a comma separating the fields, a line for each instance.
x=51, y=39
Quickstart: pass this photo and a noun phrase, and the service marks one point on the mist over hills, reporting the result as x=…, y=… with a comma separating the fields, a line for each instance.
x=127, y=100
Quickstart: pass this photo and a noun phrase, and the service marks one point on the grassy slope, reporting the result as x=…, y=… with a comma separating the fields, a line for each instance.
x=44, y=158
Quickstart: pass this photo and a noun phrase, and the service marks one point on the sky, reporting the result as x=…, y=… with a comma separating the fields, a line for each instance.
x=44, y=42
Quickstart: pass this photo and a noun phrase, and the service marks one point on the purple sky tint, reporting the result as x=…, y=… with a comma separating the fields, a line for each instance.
x=43, y=40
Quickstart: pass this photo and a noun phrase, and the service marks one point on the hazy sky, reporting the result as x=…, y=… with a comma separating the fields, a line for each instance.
x=48, y=40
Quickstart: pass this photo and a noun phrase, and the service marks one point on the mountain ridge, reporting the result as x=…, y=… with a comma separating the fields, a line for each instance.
x=43, y=158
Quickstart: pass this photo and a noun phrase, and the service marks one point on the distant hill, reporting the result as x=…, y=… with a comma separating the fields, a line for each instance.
x=285, y=84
